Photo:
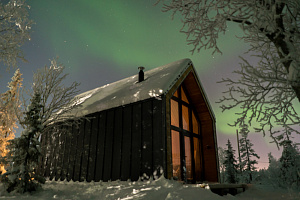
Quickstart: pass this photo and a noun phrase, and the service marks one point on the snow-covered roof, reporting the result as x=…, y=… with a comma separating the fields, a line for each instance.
x=157, y=82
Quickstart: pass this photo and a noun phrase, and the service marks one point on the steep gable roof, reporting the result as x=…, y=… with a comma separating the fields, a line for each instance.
x=157, y=82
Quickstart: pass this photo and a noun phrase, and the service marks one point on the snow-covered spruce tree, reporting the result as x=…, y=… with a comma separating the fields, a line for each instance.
x=248, y=156
x=9, y=106
x=14, y=30
x=273, y=171
x=24, y=153
x=230, y=164
x=265, y=92
x=290, y=166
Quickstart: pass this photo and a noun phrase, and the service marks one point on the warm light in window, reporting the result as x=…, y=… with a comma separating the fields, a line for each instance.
x=197, y=158
x=174, y=113
x=188, y=158
x=187, y=126
x=185, y=118
x=195, y=124
x=183, y=96
x=176, y=155
x=176, y=94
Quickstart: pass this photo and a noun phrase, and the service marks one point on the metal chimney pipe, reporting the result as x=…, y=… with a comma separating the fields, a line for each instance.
x=141, y=73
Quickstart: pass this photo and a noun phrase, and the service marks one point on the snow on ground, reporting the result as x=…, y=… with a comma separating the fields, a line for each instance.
x=150, y=190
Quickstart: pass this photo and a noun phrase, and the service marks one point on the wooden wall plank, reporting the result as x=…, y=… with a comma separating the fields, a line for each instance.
x=79, y=152
x=126, y=143
x=50, y=162
x=48, y=154
x=41, y=164
x=136, y=142
x=158, y=139
x=93, y=145
x=56, y=136
x=60, y=154
x=66, y=157
x=100, y=147
x=117, y=145
x=73, y=150
x=108, y=146
x=147, y=139
x=86, y=149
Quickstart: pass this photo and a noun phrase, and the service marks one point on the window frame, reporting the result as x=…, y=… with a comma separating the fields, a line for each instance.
x=187, y=133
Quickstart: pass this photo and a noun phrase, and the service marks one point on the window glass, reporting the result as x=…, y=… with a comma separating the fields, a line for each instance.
x=197, y=158
x=183, y=96
x=195, y=124
x=185, y=118
x=188, y=158
x=176, y=155
x=174, y=113
x=176, y=94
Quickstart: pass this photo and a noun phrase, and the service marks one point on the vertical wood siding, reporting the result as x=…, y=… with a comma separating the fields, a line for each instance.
x=122, y=143
x=77, y=164
x=93, y=148
x=126, y=144
x=100, y=147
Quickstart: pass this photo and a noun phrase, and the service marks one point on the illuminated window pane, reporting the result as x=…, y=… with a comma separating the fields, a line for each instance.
x=195, y=124
x=176, y=155
x=183, y=96
x=188, y=158
x=176, y=94
x=174, y=113
x=185, y=118
x=197, y=158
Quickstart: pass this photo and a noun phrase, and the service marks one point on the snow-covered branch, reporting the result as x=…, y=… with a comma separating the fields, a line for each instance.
x=264, y=22
x=264, y=96
x=56, y=98
x=14, y=31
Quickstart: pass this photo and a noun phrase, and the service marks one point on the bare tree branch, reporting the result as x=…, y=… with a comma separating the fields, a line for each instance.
x=56, y=98
x=265, y=92
x=274, y=22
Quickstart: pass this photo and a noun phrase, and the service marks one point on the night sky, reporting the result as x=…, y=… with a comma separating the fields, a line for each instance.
x=100, y=42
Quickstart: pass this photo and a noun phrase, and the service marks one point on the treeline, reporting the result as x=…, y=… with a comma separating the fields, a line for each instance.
x=284, y=172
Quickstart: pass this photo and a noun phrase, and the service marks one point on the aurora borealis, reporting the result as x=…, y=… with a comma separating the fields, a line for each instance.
x=100, y=42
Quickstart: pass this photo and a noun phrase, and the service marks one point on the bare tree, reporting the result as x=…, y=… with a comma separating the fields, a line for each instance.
x=265, y=92
x=57, y=99
x=51, y=101
x=265, y=97
x=14, y=31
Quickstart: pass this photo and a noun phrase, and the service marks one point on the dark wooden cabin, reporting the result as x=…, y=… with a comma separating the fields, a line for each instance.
x=160, y=125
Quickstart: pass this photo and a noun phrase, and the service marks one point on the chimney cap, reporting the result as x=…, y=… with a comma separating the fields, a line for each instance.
x=141, y=68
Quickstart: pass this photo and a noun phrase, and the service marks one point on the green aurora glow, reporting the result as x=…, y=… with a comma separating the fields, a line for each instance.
x=129, y=36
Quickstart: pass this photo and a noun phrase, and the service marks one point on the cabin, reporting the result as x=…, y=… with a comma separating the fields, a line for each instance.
x=157, y=122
